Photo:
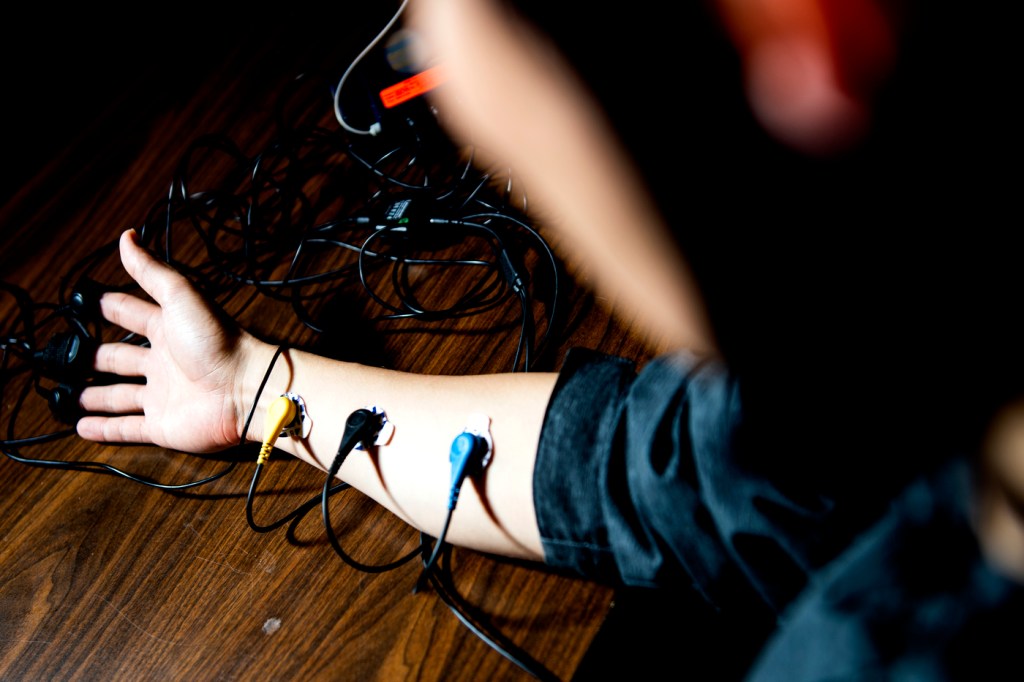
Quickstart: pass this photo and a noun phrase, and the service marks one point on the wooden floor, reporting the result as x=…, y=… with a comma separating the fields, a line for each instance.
x=104, y=578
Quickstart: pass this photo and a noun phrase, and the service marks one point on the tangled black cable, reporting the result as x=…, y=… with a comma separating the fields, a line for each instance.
x=63, y=358
x=263, y=228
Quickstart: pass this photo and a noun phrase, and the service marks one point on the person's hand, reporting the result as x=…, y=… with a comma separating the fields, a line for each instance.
x=192, y=365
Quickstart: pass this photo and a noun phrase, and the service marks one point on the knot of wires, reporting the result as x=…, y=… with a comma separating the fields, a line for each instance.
x=406, y=224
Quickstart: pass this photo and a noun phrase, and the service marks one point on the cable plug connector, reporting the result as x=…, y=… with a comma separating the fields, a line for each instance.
x=280, y=414
x=301, y=424
x=361, y=428
x=470, y=453
x=510, y=271
x=67, y=356
x=385, y=429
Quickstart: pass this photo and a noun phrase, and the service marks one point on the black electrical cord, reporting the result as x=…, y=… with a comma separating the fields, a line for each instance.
x=299, y=511
x=483, y=295
x=443, y=584
x=295, y=514
x=11, y=443
x=362, y=426
x=22, y=347
x=470, y=452
x=556, y=270
x=269, y=216
x=431, y=555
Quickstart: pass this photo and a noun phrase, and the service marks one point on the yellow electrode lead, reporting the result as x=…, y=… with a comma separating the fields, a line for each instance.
x=280, y=414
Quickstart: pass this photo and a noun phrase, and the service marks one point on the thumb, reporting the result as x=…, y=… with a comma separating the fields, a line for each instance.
x=158, y=279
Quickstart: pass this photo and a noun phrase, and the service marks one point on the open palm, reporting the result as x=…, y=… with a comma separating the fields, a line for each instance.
x=190, y=364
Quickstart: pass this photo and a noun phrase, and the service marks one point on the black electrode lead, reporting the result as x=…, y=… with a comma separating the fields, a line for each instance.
x=362, y=426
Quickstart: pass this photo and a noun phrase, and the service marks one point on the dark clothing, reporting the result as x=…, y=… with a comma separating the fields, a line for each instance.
x=911, y=599
x=671, y=484
x=661, y=492
x=818, y=474
x=655, y=479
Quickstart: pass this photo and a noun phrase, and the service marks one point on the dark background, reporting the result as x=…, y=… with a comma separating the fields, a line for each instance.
x=69, y=76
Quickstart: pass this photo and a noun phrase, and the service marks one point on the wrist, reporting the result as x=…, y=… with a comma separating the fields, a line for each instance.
x=264, y=376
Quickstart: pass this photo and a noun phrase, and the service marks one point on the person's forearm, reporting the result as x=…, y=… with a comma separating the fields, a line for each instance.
x=410, y=475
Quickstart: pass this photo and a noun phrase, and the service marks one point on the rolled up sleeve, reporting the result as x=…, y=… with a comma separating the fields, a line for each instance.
x=645, y=479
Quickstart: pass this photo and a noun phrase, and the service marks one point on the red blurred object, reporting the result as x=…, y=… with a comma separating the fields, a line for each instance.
x=812, y=67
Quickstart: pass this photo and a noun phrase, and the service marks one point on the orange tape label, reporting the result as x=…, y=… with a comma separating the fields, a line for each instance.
x=414, y=86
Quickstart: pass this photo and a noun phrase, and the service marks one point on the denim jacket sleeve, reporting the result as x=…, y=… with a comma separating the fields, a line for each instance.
x=646, y=479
